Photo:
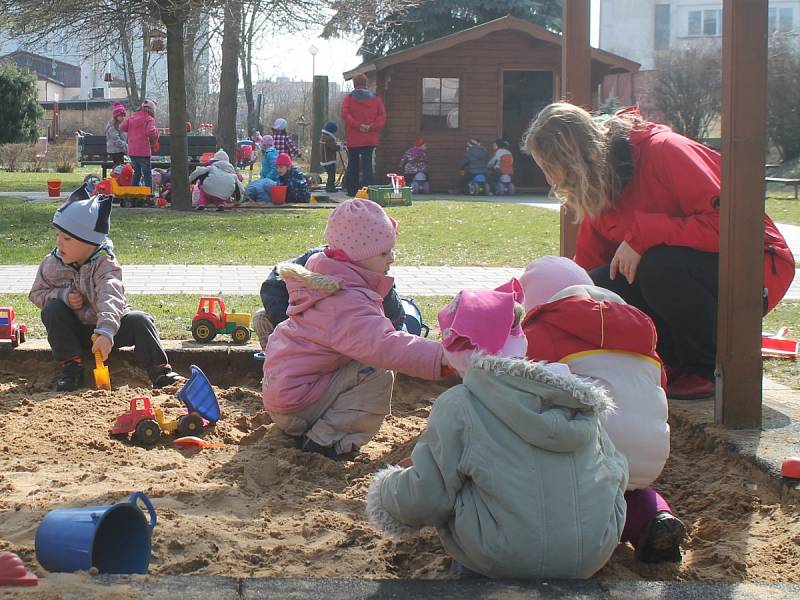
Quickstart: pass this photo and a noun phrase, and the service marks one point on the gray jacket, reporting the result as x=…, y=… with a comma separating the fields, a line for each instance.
x=474, y=162
x=99, y=281
x=219, y=180
x=516, y=473
x=116, y=140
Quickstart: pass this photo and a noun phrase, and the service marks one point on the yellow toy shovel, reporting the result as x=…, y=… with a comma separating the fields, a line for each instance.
x=102, y=380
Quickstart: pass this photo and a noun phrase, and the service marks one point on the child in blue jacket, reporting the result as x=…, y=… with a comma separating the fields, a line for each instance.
x=294, y=179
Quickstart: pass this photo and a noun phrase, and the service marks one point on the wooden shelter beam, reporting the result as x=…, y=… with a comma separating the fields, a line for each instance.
x=576, y=87
x=741, y=276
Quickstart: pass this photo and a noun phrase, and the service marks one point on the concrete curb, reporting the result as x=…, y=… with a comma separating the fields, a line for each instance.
x=201, y=587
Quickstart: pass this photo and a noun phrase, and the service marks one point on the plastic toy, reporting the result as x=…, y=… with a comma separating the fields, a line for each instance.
x=102, y=380
x=13, y=571
x=9, y=328
x=191, y=441
x=504, y=187
x=777, y=345
x=791, y=468
x=413, y=323
x=363, y=193
x=130, y=196
x=212, y=318
x=478, y=186
x=420, y=185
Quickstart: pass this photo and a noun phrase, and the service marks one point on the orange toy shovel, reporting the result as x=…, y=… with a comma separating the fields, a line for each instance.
x=102, y=380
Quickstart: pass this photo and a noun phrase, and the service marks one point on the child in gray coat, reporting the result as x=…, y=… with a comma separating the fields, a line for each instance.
x=514, y=470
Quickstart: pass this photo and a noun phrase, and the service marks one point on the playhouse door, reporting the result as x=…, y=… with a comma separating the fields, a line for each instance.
x=525, y=93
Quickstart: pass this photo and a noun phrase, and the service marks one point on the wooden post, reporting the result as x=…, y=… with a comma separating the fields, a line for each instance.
x=741, y=277
x=576, y=82
x=319, y=115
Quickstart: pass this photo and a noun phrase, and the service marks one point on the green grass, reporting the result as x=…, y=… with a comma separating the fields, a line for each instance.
x=431, y=233
x=783, y=209
x=173, y=313
x=786, y=314
x=37, y=182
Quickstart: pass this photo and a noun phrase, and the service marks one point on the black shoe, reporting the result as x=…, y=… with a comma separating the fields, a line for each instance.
x=661, y=539
x=70, y=378
x=309, y=445
x=167, y=377
x=199, y=207
x=220, y=208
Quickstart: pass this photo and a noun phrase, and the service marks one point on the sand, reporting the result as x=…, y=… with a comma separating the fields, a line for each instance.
x=259, y=507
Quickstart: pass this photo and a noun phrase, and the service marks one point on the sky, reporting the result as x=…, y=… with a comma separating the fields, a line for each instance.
x=290, y=57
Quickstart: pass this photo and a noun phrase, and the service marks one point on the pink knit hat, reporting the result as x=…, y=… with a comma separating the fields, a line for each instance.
x=283, y=160
x=267, y=141
x=361, y=229
x=482, y=320
x=546, y=276
x=119, y=110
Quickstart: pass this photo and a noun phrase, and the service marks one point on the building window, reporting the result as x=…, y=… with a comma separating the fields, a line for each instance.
x=662, y=27
x=705, y=22
x=440, y=100
x=781, y=20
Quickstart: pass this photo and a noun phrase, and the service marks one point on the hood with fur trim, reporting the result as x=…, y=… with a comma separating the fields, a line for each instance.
x=325, y=276
x=524, y=394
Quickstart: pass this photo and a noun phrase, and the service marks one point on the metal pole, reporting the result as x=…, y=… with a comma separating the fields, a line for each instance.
x=576, y=81
x=741, y=268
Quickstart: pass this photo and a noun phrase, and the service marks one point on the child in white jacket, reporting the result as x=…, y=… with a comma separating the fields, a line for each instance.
x=217, y=181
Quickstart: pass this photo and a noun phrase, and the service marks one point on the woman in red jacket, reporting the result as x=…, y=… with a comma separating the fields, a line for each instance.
x=647, y=200
x=364, y=116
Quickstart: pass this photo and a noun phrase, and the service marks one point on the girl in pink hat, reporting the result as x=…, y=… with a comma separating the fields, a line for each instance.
x=328, y=369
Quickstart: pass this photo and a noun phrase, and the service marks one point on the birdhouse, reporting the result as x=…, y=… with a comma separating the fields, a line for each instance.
x=157, y=44
x=107, y=77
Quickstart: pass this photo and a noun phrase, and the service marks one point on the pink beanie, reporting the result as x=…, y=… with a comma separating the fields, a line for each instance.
x=283, y=160
x=361, y=229
x=267, y=141
x=546, y=276
x=119, y=110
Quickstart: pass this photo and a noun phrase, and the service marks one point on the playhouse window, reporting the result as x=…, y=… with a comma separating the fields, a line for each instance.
x=440, y=100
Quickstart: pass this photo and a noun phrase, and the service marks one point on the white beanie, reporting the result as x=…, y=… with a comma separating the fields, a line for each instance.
x=86, y=220
x=546, y=276
x=280, y=124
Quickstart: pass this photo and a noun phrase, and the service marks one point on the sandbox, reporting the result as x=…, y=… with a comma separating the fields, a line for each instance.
x=260, y=508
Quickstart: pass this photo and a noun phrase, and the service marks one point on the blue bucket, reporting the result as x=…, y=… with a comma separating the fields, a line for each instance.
x=413, y=322
x=198, y=396
x=113, y=539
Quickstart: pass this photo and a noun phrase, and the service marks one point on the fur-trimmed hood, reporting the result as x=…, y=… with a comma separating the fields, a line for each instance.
x=324, y=276
x=524, y=394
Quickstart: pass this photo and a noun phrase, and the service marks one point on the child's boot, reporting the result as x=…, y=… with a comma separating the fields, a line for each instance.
x=309, y=445
x=163, y=375
x=661, y=539
x=71, y=376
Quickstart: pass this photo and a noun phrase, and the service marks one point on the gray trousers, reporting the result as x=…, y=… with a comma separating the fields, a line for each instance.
x=350, y=411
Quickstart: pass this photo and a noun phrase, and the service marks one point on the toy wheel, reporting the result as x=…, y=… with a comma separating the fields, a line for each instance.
x=241, y=335
x=426, y=188
x=21, y=337
x=15, y=339
x=127, y=203
x=148, y=432
x=203, y=331
x=191, y=424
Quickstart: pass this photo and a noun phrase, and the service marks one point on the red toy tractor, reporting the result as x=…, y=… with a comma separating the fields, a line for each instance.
x=212, y=318
x=9, y=328
x=147, y=423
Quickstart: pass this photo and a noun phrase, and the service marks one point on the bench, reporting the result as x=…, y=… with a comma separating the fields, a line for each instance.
x=785, y=181
x=92, y=151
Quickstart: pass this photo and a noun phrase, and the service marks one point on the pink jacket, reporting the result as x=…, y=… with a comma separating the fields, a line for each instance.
x=335, y=316
x=141, y=128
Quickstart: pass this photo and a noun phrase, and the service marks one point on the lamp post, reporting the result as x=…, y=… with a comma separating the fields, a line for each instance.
x=313, y=51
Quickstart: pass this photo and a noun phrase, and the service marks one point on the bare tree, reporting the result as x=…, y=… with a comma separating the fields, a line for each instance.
x=229, y=79
x=687, y=88
x=783, y=84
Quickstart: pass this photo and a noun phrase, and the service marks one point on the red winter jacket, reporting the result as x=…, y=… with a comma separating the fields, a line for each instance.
x=362, y=107
x=673, y=199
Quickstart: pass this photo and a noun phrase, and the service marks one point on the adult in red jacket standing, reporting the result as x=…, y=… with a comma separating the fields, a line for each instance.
x=364, y=116
x=647, y=200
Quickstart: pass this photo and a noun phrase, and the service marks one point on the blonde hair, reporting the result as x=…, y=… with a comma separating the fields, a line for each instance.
x=572, y=148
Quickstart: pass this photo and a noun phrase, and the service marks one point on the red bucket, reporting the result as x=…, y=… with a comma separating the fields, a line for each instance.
x=54, y=188
x=278, y=194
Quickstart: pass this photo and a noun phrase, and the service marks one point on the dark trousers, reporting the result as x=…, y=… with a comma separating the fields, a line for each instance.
x=678, y=288
x=68, y=337
x=141, y=169
x=359, y=169
x=330, y=185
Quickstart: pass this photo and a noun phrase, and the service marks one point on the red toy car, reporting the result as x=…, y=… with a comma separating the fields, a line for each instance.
x=147, y=423
x=9, y=328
